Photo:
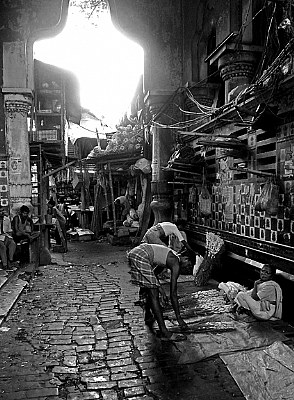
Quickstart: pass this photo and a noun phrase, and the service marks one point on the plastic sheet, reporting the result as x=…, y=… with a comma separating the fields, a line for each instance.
x=246, y=335
x=263, y=374
x=214, y=330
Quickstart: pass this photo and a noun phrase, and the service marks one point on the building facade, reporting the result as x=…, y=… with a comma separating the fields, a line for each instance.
x=218, y=85
x=22, y=23
x=217, y=82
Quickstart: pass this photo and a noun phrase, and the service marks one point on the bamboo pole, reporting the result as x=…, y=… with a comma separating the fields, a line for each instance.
x=251, y=171
x=180, y=170
x=96, y=223
x=106, y=199
x=146, y=210
x=112, y=199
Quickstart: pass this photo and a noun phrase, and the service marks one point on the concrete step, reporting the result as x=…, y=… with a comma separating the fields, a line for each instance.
x=3, y=280
x=9, y=293
x=11, y=286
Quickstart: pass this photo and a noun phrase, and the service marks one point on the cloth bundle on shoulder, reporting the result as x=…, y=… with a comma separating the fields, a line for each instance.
x=269, y=198
x=231, y=289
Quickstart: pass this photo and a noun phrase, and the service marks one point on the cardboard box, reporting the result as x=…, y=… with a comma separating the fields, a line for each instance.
x=123, y=231
x=82, y=235
x=118, y=241
x=58, y=249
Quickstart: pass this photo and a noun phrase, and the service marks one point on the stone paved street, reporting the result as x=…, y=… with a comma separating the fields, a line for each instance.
x=75, y=333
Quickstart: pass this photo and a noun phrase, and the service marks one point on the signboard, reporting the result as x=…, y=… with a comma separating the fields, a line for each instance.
x=15, y=165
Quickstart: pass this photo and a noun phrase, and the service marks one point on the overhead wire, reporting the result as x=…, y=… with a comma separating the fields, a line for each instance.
x=180, y=124
x=266, y=41
x=206, y=111
x=243, y=26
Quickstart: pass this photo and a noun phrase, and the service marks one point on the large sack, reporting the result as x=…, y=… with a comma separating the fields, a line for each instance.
x=204, y=201
x=269, y=198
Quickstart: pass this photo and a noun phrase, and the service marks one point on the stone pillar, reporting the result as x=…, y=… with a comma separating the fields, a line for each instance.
x=162, y=148
x=17, y=104
x=22, y=23
x=159, y=30
x=237, y=70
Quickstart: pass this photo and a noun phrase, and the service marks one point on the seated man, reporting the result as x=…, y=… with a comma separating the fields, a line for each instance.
x=264, y=301
x=145, y=262
x=22, y=226
x=7, y=244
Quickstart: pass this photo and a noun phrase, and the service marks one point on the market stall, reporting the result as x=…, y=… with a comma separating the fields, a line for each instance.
x=121, y=172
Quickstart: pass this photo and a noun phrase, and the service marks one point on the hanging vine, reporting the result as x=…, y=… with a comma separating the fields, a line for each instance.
x=92, y=9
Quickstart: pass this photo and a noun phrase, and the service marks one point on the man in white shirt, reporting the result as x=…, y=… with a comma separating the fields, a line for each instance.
x=122, y=207
x=7, y=244
x=159, y=234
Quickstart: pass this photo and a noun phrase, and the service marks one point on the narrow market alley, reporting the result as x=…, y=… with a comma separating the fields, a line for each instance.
x=76, y=334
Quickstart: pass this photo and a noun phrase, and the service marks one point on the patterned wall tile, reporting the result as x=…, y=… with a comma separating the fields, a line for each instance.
x=257, y=233
x=280, y=225
x=257, y=222
x=262, y=234
x=246, y=221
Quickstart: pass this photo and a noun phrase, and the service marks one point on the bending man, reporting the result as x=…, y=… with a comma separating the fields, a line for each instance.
x=145, y=261
x=162, y=232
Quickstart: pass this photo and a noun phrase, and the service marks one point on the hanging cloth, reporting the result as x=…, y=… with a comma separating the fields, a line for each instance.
x=269, y=198
x=204, y=199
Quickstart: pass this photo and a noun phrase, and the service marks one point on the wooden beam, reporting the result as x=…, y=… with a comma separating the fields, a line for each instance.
x=208, y=135
x=180, y=170
x=251, y=171
x=58, y=169
x=193, y=133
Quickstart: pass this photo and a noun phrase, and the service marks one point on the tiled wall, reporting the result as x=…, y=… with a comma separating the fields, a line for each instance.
x=240, y=216
x=4, y=184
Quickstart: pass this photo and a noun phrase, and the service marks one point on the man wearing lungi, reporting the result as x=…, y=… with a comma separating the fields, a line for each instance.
x=146, y=262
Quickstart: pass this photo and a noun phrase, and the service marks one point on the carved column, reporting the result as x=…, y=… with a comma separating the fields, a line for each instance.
x=237, y=70
x=16, y=108
x=21, y=23
x=162, y=147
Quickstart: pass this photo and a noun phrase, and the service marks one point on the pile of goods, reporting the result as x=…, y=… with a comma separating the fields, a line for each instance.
x=126, y=139
x=214, y=248
x=230, y=290
x=204, y=311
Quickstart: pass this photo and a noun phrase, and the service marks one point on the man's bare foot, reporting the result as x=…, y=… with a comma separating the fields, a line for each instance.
x=174, y=337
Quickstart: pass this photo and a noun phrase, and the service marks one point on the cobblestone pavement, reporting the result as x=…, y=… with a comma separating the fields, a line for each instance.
x=75, y=333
